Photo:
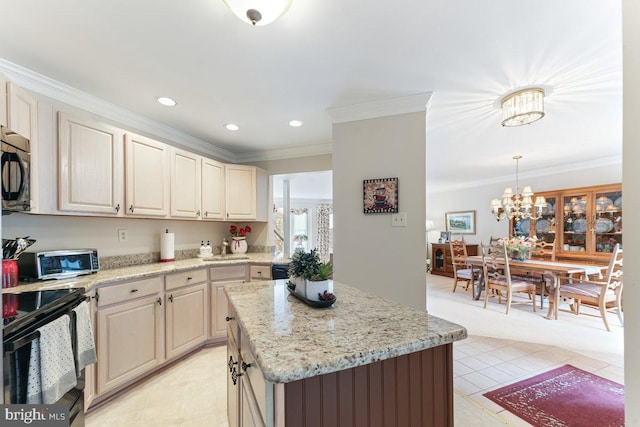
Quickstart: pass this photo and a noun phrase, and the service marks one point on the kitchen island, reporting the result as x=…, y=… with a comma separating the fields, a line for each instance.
x=365, y=361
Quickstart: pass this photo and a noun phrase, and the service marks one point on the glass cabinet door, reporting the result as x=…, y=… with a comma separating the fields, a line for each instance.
x=575, y=227
x=546, y=224
x=607, y=223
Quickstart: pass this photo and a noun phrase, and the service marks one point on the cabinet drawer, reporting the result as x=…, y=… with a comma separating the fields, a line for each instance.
x=253, y=377
x=260, y=272
x=190, y=277
x=229, y=273
x=127, y=291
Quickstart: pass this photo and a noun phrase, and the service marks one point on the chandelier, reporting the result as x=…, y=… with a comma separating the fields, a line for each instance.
x=523, y=107
x=258, y=12
x=517, y=206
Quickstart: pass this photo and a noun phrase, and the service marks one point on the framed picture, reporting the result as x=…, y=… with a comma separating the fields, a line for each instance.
x=380, y=195
x=461, y=222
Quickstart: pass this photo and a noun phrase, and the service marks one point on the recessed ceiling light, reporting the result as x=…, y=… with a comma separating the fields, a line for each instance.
x=166, y=101
x=231, y=126
x=295, y=123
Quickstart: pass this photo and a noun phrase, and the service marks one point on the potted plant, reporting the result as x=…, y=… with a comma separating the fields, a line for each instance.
x=299, y=239
x=309, y=275
x=239, y=239
x=320, y=282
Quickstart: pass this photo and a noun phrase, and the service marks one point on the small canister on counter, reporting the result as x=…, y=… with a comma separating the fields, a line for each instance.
x=9, y=273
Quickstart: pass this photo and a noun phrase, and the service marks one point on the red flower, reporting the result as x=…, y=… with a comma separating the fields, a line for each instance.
x=247, y=229
x=239, y=232
x=233, y=229
x=243, y=231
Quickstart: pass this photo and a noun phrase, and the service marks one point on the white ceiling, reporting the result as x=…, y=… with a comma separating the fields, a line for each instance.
x=330, y=53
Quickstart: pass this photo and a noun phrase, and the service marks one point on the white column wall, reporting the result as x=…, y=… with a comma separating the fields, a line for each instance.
x=368, y=253
x=631, y=203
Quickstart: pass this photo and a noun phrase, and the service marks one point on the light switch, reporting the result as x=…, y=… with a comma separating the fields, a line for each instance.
x=399, y=219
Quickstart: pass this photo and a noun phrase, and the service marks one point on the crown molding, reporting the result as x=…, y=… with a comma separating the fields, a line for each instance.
x=613, y=161
x=385, y=107
x=54, y=89
x=285, y=153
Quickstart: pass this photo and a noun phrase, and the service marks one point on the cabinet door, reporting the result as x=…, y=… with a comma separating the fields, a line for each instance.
x=22, y=112
x=147, y=176
x=130, y=341
x=90, y=165
x=575, y=224
x=607, y=224
x=233, y=388
x=240, y=183
x=249, y=412
x=186, y=319
x=218, y=311
x=185, y=184
x=212, y=189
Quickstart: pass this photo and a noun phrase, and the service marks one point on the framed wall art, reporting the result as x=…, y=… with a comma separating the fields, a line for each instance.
x=463, y=222
x=380, y=195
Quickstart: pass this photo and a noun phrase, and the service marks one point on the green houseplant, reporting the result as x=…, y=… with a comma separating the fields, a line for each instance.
x=310, y=276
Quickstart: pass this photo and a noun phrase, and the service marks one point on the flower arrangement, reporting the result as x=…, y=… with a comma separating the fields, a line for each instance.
x=520, y=247
x=239, y=232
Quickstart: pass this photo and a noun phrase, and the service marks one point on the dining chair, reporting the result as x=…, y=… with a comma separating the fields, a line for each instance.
x=497, y=276
x=545, y=251
x=461, y=270
x=606, y=294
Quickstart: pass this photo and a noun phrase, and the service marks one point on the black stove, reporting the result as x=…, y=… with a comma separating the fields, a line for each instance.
x=23, y=310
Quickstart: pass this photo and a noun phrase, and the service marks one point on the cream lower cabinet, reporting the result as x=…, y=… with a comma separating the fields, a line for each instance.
x=130, y=332
x=186, y=310
x=219, y=277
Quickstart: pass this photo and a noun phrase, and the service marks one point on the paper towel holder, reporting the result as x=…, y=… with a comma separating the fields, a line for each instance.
x=167, y=252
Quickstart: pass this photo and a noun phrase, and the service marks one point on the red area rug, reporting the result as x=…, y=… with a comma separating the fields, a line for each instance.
x=566, y=396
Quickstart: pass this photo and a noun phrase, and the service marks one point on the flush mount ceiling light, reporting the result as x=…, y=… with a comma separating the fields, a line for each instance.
x=258, y=12
x=231, y=126
x=166, y=101
x=523, y=107
x=295, y=123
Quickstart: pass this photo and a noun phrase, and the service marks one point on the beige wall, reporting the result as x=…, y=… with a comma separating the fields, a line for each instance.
x=368, y=253
x=297, y=165
x=631, y=202
x=67, y=232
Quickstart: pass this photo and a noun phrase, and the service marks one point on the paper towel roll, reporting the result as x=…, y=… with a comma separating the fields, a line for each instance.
x=167, y=252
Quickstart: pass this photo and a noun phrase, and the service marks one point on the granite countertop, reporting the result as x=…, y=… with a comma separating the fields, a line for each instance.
x=141, y=271
x=292, y=341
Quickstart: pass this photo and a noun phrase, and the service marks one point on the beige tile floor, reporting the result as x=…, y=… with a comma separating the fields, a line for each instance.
x=500, y=350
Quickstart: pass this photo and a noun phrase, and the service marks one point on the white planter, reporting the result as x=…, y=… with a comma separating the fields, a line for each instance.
x=301, y=286
x=315, y=288
x=238, y=245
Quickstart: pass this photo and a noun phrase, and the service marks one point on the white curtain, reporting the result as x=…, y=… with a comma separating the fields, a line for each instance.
x=324, y=232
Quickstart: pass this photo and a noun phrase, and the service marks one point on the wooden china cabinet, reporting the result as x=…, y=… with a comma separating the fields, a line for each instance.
x=585, y=223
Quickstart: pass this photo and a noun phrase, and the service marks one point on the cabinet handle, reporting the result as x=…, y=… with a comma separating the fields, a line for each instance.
x=171, y=297
x=206, y=213
x=198, y=213
x=231, y=363
x=235, y=375
x=229, y=318
x=131, y=208
x=189, y=278
x=133, y=291
x=159, y=300
x=227, y=214
x=96, y=296
x=118, y=208
x=246, y=366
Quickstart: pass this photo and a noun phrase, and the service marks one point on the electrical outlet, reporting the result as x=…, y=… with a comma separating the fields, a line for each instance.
x=123, y=235
x=399, y=219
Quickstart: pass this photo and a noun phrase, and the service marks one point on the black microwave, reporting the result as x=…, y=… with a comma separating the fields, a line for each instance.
x=15, y=168
x=58, y=264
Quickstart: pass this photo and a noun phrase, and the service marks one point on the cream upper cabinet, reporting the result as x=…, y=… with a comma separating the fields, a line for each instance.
x=22, y=109
x=90, y=160
x=186, y=183
x=146, y=176
x=212, y=189
x=241, y=189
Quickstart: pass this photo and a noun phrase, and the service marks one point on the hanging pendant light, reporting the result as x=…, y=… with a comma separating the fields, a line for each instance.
x=518, y=205
x=258, y=12
x=523, y=107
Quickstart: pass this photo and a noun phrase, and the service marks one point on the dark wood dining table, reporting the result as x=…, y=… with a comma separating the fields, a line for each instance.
x=558, y=273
